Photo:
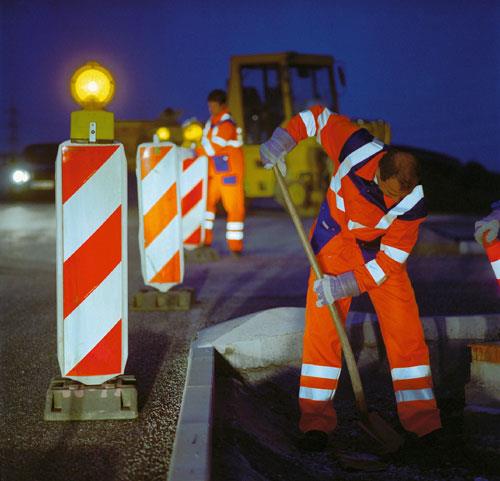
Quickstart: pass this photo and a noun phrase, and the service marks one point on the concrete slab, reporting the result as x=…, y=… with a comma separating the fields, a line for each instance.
x=274, y=337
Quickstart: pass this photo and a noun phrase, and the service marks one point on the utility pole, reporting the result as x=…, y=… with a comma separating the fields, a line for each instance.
x=13, y=128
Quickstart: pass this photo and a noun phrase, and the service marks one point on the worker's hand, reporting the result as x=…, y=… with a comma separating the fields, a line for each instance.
x=332, y=288
x=486, y=230
x=273, y=151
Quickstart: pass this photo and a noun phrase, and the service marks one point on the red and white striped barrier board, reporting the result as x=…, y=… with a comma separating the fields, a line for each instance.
x=160, y=234
x=194, y=181
x=91, y=213
x=493, y=253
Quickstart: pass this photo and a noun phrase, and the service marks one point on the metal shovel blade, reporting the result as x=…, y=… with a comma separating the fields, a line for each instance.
x=382, y=432
x=357, y=461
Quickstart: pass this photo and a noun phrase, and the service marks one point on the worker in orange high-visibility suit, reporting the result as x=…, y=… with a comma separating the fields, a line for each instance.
x=362, y=237
x=222, y=145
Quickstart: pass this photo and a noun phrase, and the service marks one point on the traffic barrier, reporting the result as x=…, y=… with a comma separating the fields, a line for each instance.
x=493, y=253
x=91, y=213
x=194, y=179
x=160, y=234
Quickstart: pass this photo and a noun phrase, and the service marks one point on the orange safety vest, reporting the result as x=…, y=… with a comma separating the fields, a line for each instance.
x=355, y=206
x=221, y=143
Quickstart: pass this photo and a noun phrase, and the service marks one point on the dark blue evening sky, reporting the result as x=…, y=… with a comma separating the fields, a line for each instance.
x=431, y=68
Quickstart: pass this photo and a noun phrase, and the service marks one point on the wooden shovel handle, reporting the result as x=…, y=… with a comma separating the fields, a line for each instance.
x=344, y=341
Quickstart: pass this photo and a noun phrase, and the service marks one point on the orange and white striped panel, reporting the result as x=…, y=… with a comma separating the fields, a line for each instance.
x=91, y=213
x=493, y=253
x=160, y=234
x=194, y=180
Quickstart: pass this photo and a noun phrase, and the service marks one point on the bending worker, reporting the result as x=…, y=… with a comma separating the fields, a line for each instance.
x=364, y=233
x=222, y=145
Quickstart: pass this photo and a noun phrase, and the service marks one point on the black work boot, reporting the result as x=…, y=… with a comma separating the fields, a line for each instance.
x=313, y=441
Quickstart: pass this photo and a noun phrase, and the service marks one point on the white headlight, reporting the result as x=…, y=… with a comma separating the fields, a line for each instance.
x=20, y=176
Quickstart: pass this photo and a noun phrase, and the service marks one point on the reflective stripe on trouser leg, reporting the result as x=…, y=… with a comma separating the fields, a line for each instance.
x=209, y=227
x=213, y=196
x=233, y=200
x=408, y=355
x=321, y=366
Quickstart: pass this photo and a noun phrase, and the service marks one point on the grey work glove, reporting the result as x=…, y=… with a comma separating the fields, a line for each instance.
x=490, y=226
x=273, y=151
x=332, y=288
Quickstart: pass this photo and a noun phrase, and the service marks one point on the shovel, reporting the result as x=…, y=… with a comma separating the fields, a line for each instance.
x=371, y=422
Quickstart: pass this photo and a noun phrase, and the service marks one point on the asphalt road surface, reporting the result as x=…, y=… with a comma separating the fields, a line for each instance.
x=272, y=273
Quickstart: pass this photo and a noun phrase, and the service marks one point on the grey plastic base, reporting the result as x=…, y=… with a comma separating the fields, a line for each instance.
x=69, y=400
x=174, y=300
x=201, y=255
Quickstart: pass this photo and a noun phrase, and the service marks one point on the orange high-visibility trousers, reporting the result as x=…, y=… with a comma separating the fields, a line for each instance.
x=228, y=189
x=401, y=329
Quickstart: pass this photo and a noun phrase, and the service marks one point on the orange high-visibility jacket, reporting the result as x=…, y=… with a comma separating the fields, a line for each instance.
x=222, y=145
x=355, y=206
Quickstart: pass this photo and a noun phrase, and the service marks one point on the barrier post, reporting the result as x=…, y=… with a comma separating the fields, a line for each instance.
x=493, y=253
x=92, y=310
x=160, y=229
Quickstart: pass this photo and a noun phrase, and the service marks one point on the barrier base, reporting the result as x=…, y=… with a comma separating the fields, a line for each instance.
x=69, y=400
x=179, y=299
x=200, y=255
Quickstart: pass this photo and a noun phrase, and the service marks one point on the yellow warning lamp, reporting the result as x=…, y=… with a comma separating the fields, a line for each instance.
x=163, y=134
x=192, y=131
x=92, y=87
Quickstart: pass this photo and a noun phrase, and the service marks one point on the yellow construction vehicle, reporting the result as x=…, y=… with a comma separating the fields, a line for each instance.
x=264, y=92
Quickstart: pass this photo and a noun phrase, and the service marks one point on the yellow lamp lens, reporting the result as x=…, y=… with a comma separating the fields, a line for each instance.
x=92, y=86
x=193, y=133
x=163, y=133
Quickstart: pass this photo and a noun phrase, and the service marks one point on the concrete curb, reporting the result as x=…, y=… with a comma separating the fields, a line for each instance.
x=191, y=456
x=273, y=338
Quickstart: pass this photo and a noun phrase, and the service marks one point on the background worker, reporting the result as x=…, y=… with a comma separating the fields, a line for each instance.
x=364, y=233
x=222, y=145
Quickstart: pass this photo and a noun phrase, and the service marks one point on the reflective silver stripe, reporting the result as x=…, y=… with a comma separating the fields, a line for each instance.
x=496, y=268
x=219, y=141
x=355, y=225
x=404, y=206
x=209, y=215
x=209, y=224
x=413, y=372
x=340, y=202
x=234, y=235
x=394, y=253
x=225, y=117
x=207, y=146
x=356, y=157
x=414, y=395
x=235, y=226
x=234, y=143
x=359, y=155
x=322, y=121
x=316, y=394
x=376, y=271
x=325, y=372
x=309, y=122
